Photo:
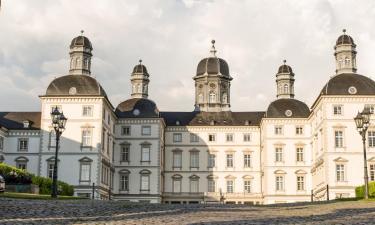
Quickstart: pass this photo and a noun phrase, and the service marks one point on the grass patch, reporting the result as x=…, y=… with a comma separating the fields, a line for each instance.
x=35, y=196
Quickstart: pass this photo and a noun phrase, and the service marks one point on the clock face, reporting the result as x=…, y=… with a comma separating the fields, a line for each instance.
x=201, y=86
x=352, y=90
x=212, y=85
x=73, y=91
x=136, y=112
x=288, y=113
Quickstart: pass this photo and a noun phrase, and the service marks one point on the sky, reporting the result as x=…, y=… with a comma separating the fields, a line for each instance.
x=171, y=37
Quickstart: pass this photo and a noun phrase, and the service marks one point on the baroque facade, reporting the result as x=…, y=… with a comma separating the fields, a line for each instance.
x=134, y=152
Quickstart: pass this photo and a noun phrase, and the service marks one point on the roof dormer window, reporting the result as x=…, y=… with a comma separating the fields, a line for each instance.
x=26, y=124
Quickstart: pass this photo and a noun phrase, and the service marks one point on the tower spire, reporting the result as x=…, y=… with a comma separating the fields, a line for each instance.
x=80, y=55
x=213, y=50
x=139, y=80
x=345, y=54
x=285, y=81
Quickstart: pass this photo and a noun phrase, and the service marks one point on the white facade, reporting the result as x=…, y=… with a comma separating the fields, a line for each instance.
x=135, y=153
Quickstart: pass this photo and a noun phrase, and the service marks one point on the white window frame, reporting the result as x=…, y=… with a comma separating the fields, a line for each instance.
x=278, y=130
x=229, y=137
x=146, y=130
x=177, y=137
x=279, y=154
x=23, y=144
x=337, y=110
x=230, y=186
x=211, y=160
x=247, y=160
x=247, y=137
x=124, y=182
x=125, y=130
x=212, y=137
x=339, y=138
x=229, y=160
x=145, y=181
x=299, y=130
x=340, y=172
x=176, y=188
x=194, y=185
x=194, y=138
x=211, y=185
x=87, y=110
x=300, y=156
x=50, y=167
x=86, y=137
x=371, y=138
x=177, y=159
x=194, y=159
x=125, y=153
x=372, y=172
x=300, y=182
x=279, y=182
x=247, y=186
x=84, y=177
x=145, y=153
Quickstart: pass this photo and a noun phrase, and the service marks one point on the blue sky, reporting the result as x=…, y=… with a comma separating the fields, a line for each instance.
x=172, y=36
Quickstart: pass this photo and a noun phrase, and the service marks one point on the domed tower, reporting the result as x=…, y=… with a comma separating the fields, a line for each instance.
x=80, y=56
x=212, y=84
x=140, y=80
x=345, y=54
x=285, y=82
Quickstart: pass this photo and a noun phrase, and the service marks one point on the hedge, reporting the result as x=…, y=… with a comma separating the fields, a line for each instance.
x=13, y=175
x=360, y=191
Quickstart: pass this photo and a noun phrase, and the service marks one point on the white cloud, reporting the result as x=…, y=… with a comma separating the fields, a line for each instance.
x=171, y=37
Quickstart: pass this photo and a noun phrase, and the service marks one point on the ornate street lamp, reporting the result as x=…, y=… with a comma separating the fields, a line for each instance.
x=58, y=123
x=362, y=121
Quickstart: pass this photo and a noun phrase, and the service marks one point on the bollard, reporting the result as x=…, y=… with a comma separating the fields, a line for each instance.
x=93, y=191
x=327, y=192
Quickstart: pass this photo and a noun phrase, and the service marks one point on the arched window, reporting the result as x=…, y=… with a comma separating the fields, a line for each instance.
x=347, y=61
x=145, y=88
x=139, y=87
x=200, y=98
x=78, y=62
x=286, y=89
x=225, y=98
x=340, y=63
x=134, y=88
x=212, y=97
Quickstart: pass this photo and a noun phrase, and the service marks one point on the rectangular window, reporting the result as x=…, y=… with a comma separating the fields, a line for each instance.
x=371, y=108
x=247, y=137
x=212, y=137
x=211, y=160
x=247, y=160
x=194, y=159
x=125, y=153
x=279, y=183
x=177, y=137
x=23, y=144
x=278, y=130
x=177, y=159
x=21, y=165
x=177, y=185
x=339, y=139
x=194, y=186
x=87, y=110
x=86, y=137
x=146, y=130
x=247, y=186
x=230, y=186
x=372, y=172
x=229, y=137
x=337, y=110
x=124, y=182
x=229, y=160
x=1, y=143
x=340, y=172
x=145, y=180
x=278, y=154
x=50, y=170
x=299, y=130
x=85, y=172
x=194, y=138
x=300, y=183
x=211, y=185
x=145, y=154
x=125, y=130
x=371, y=138
x=299, y=154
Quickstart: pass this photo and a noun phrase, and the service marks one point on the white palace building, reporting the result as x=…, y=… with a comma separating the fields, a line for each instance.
x=134, y=152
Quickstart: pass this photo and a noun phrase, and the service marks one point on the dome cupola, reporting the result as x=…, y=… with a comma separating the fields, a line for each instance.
x=140, y=80
x=212, y=84
x=285, y=81
x=80, y=55
x=345, y=54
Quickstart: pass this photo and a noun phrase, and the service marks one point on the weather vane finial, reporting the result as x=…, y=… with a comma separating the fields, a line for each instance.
x=284, y=61
x=213, y=50
x=140, y=61
x=82, y=31
x=344, y=30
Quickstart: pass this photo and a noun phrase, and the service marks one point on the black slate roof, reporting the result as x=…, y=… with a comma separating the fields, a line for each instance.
x=81, y=41
x=345, y=39
x=340, y=84
x=214, y=66
x=285, y=69
x=140, y=69
x=83, y=84
x=212, y=118
x=279, y=108
x=14, y=120
x=137, y=108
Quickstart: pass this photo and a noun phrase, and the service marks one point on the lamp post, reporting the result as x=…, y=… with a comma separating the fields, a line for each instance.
x=362, y=121
x=58, y=123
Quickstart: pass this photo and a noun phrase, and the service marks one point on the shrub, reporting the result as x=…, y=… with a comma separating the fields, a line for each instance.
x=13, y=175
x=360, y=191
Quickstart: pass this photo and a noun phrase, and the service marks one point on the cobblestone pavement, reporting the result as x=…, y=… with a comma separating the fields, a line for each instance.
x=13, y=211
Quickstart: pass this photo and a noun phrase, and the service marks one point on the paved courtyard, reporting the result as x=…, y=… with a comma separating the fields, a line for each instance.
x=14, y=211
